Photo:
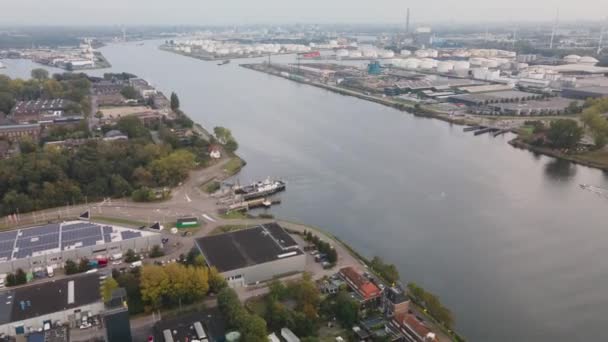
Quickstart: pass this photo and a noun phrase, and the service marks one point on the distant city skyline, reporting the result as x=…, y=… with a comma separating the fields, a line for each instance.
x=201, y=12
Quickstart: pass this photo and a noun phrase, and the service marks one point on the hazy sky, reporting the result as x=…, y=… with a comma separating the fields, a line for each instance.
x=125, y=12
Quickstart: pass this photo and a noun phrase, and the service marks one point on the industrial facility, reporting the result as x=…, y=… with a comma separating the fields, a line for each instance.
x=253, y=255
x=39, y=307
x=51, y=245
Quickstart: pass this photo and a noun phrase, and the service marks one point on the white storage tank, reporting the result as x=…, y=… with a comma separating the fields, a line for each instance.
x=427, y=64
x=342, y=53
x=588, y=60
x=405, y=53
x=572, y=59
x=354, y=54
x=387, y=54
x=462, y=65
x=445, y=67
x=412, y=63
x=421, y=53
x=480, y=73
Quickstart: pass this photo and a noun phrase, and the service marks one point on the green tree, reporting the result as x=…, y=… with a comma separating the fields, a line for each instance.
x=7, y=101
x=217, y=282
x=154, y=284
x=156, y=252
x=346, y=309
x=27, y=145
x=119, y=186
x=174, y=102
x=20, y=277
x=231, y=145
x=130, y=256
x=564, y=133
x=39, y=74
x=83, y=265
x=107, y=287
x=129, y=92
x=70, y=267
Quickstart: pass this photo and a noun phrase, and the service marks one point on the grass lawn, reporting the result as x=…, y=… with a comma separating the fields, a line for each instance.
x=228, y=228
x=211, y=187
x=234, y=215
x=598, y=157
x=234, y=165
x=118, y=221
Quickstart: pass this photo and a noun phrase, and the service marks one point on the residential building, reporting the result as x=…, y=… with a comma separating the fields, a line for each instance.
x=15, y=133
x=368, y=294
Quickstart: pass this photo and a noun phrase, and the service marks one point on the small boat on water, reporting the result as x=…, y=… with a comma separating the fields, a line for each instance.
x=224, y=62
x=260, y=189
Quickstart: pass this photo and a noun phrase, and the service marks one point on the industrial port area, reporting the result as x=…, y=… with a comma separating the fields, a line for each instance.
x=125, y=220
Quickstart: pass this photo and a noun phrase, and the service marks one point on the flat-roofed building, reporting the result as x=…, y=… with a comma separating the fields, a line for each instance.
x=584, y=93
x=253, y=255
x=27, y=309
x=53, y=244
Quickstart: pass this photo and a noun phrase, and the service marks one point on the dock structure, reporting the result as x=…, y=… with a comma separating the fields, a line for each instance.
x=255, y=203
x=471, y=128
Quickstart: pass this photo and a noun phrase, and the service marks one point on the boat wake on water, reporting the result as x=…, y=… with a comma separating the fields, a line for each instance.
x=601, y=192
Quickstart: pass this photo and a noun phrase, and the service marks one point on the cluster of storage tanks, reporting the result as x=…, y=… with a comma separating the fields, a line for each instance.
x=365, y=52
x=229, y=48
x=575, y=59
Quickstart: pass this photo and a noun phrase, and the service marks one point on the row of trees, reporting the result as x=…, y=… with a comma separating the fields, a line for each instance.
x=432, y=304
x=71, y=267
x=387, y=271
x=251, y=326
x=597, y=124
x=173, y=284
x=17, y=278
x=322, y=246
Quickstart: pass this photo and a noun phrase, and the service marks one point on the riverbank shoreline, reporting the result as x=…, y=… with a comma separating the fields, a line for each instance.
x=520, y=144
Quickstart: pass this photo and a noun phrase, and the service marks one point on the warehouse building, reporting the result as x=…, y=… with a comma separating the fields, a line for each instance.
x=253, y=255
x=65, y=301
x=584, y=93
x=53, y=244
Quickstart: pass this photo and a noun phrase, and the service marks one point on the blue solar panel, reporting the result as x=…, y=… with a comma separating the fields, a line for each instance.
x=129, y=234
x=42, y=230
x=6, y=249
x=107, y=229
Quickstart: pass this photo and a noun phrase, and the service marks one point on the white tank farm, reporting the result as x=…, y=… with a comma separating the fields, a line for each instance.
x=412, y=63
x=588, y=60
x=572, y=59
x=427, y=64
x=462, y=65
x=342, y=53
x=421, y=54
x=370, y=53
x=480, y=73
x=405, y=53
x=387, y=54
x=354, y=54
x=445, y=67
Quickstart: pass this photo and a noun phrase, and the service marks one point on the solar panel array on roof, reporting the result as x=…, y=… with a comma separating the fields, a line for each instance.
x=80, y=235
x=7, y=242
x=33, y=241
x=129, y=235
x=37, y=239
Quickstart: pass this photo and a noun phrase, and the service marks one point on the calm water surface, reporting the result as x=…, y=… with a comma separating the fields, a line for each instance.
x=507, y=239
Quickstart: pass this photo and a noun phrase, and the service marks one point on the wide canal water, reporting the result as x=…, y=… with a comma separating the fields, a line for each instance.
x=507, y=239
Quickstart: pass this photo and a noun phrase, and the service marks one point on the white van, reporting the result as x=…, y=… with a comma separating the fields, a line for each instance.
x=136, y=264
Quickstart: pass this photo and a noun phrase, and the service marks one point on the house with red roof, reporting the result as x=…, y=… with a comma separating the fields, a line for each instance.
x=413, y=329
x=369, y=295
